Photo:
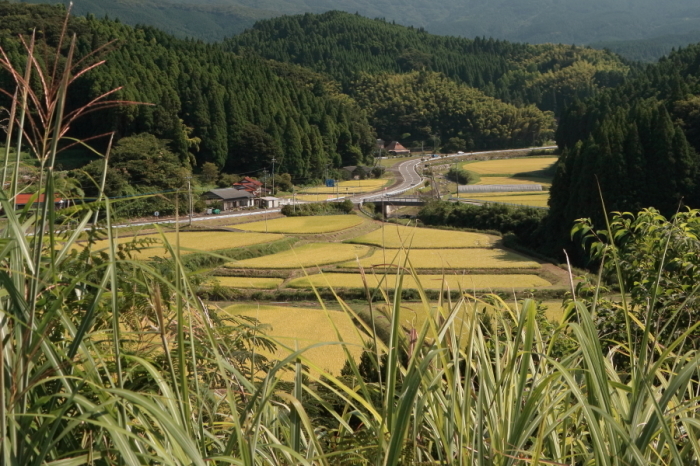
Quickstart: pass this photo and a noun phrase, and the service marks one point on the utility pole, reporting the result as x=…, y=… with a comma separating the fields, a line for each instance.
x=273, y=175
x=294, y=198
x=189, y=191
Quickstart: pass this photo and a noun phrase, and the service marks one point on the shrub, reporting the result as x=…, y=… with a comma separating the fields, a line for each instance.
x=461, y=176
x=325, y=208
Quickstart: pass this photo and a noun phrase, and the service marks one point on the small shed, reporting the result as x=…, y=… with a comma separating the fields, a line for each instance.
x=230, y=198
x=269, y=202
x=395, y=148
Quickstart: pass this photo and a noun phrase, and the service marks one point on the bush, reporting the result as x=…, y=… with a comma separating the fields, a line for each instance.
x=378, y=171
x=461, y=176
x=226, y=180
x=326, y=208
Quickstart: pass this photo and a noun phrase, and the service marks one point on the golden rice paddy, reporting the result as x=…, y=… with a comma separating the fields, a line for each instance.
x=253, y=283
x=194, y=242
x=316, y=197
x=447, y=259
x=396, y=236
x=428, y=282
x=353, y=187
x=529, y=198
x=308, y=255
x=303, y=327
x=310, y=225
x=510, y=166
x=545, y=182
x=554, y=311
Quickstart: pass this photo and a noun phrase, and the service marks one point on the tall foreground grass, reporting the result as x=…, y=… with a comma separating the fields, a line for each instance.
x=106, y=360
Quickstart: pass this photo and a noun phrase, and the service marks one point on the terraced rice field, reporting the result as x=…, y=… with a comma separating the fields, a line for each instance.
x=316, y=197
x=305, y=327
x=308, y=255
x=195, y=242
x=415, y=314
x=396, y=236
x=252, y=283
x=545, y=182
x=473, y=258
x=305, y=225
x=510, y=166
x=529, y=198
x=353, y=187
x=428, y=282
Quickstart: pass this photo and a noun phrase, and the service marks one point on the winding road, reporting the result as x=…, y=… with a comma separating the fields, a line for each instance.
x=407, y=177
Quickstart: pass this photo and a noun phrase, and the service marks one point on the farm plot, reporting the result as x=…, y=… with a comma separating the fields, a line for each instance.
x=316, y=197
x=545, y=182
x=472, y=258
x=353, y=187
x=396, y=236
x=190, y=242
x=304, y=327
x=428, y=282
x=414, y=315
x=311, y=225
x=253, y=283
x=510, y=166
x=308, y=255
x=534, y=199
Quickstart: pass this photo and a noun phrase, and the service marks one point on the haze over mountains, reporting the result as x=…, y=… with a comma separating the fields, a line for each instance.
x=534, y=21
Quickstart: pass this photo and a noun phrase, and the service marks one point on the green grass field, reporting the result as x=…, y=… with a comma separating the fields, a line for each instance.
x=303, y=327
x=308, y=255
x=430, y=282
x=253, y=283
x=510, y=166
x=199, y=241
x=305, y=225
x=473, y=258
x=396, y=236
x=535, y=199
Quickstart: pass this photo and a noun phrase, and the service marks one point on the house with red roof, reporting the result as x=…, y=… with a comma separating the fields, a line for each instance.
x=250, y=185
x=395, y=148
x=24, y=199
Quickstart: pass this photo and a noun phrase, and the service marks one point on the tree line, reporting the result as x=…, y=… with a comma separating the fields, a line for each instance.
x=638, y=144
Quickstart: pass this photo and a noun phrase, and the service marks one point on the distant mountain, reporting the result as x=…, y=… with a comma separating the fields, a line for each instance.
x=649, y=50
x=345, y=46
x=533, y=21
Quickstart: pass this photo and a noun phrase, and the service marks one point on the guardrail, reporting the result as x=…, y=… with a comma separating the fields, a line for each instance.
x=481, y=201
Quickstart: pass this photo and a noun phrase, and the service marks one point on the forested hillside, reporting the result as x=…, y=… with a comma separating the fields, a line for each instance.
x=212, y=105
x=534, y=21
x=344, y=45
x=429, y=108
x=226, y=104
x=640, y=142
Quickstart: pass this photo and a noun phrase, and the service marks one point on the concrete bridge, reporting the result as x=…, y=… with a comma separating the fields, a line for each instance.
x=390, y=204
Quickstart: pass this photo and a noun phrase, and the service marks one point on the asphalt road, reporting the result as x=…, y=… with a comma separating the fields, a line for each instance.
x=406, y=172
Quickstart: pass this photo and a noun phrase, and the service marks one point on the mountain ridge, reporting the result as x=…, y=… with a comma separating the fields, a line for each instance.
x=533, y=21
